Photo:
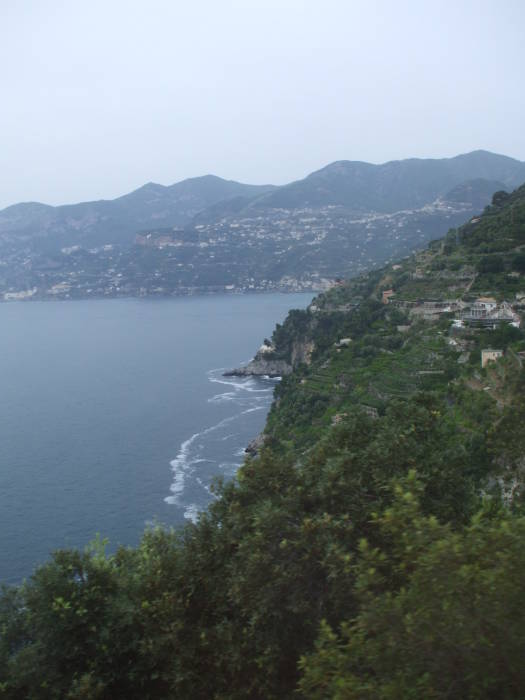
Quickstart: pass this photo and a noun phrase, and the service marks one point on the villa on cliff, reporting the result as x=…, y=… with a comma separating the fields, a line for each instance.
x=486, y=311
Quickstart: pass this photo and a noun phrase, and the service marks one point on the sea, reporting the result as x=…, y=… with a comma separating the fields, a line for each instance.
x=115, y=415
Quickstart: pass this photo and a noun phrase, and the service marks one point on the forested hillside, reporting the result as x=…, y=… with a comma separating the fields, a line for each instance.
x=374, y=548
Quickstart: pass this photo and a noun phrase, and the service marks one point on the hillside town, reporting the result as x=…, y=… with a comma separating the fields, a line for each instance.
x=286, y=250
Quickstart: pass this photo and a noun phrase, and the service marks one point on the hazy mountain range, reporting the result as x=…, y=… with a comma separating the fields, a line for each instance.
x=118, y=220
x=400, y=184
x=336, y=221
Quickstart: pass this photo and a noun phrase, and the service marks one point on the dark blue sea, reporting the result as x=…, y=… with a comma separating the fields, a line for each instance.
x=114, y=414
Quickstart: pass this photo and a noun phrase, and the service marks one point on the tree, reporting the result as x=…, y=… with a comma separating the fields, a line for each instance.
x=442, y=612
x=491, y=263
x=518, y=262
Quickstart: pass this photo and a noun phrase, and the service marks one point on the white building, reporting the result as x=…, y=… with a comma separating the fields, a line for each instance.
x=490, y=355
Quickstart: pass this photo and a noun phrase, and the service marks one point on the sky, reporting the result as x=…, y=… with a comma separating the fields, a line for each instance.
x=100, y=97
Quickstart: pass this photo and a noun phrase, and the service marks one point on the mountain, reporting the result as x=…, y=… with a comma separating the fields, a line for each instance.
x=117, y=221
x=392, y=186
x=374, y=548
x=206, y=234
x=476, y=193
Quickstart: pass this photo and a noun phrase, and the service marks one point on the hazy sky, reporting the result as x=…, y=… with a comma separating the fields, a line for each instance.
x=101, y=96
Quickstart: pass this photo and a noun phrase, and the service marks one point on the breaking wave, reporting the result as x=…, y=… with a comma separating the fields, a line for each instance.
x=217, y=451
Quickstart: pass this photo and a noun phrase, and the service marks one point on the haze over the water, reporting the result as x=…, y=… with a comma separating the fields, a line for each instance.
x=99, y=98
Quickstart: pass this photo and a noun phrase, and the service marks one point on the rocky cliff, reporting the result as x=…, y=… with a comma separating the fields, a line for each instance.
x=264, y=364
x=268, y=361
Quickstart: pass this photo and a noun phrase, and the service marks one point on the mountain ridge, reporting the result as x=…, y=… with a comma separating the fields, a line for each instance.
x=379, y=187
x=110, y=221
x=513, y=173
x=207, y=234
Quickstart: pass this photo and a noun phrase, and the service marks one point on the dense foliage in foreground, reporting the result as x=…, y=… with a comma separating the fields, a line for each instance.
x=453, y=626
x=227, y=607
x=363, y=554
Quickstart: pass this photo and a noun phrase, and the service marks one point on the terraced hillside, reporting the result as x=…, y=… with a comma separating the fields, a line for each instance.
x=367, y=352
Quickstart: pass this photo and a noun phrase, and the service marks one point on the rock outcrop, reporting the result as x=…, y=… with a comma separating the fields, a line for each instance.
x=264, y=364
x=261, y=367
x=254, y=446
x=302, y=352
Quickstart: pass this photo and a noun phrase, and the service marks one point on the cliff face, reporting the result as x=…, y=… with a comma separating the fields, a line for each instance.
x=261, y=367
x=302, y=352
x=268, y=362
